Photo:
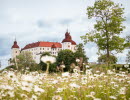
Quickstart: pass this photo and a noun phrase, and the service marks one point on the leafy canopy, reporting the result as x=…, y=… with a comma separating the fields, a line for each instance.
x=103, y=59
x=109, y=24
x=80, y=53
x=25, y=60
x=67, y=57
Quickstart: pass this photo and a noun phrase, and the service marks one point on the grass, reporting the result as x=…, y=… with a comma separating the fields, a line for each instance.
x=95, y=84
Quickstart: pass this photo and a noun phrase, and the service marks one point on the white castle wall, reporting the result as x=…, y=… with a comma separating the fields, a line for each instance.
x=15, y=52
x=36, y=52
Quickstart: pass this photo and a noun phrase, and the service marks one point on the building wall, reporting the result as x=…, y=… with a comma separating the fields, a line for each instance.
x=66, y=45
x=15, y=52
x=73, y=48
x=37, y=51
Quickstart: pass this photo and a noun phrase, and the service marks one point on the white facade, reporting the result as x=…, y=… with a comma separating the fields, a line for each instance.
x=40, y=47
x=68, y=45
x=15, y=52
x=37, y=51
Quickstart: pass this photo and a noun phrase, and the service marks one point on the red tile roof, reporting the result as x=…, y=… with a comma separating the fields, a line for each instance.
x=43, y=44
x=68, y=38
x=53, y=46
x=15, y=45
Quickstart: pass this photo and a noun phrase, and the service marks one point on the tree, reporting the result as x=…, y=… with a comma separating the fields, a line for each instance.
x=103, y=59
x=128, y=57
x=80, y=53
x=109, y=19
x=25, y=60
x=67, y=57
x=128, y=41
x=43, y=65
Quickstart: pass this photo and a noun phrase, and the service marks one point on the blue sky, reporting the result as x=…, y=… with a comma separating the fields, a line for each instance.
x=47, y=20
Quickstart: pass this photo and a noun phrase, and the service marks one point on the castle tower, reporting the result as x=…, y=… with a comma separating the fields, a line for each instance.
x=68, y=43
x=15, y=50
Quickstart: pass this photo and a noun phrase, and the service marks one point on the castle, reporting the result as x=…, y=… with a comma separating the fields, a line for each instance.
x=38, y=48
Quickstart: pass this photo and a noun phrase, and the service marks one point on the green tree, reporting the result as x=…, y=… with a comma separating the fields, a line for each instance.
x=109, y=19
x=80, y=53
x=67, y=57
x=25, y=60
x=128, y=41
x=128, y=57
x=43, y=66
x=103, y=59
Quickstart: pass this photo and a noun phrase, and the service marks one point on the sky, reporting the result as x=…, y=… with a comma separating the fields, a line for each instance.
x=47, y=20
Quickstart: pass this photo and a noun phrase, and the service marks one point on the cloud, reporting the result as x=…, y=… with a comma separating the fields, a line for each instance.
x=47, y=20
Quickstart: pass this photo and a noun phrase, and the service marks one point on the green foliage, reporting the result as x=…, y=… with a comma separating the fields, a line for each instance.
x=43, y=65
x=109, y=18
x=128, y=57
x=46, y=53
x=25, y=60
x=103, y=59
x=80, y=53
x=52, y=67
x=66, y=56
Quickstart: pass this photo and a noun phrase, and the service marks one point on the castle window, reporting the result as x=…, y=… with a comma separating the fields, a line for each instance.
x=16, y=51
x=43, y=48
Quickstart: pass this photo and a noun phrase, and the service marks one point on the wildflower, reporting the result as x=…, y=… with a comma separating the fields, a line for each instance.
x=55, y=82
x=92, y=93
x=100, y=86
x=126, y=66
x=28, y=89
x=23, y=95
x=75, y=70
x=73, y=85
x=122, y=90
x=37, y=89
x=63, y=66
x=109, y=72
x=48, y=59
x=28, y=78
x=84, y=80
x=128, y=82
x=87, y=66
x=90, y=96
x=96, y=99
x=59, y=90
x=116, y=85
x=6, y=87
x=88, y=72
x=112, y=97
x=11, y=94
x=34, y=97
x=57, y=97
x=97, y=71
x=77, y=60
x=11, y=75
x=66, y=74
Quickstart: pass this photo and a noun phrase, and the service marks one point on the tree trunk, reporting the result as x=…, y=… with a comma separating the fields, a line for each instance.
x=16, y=63
x=47, y=70
x=107, y=50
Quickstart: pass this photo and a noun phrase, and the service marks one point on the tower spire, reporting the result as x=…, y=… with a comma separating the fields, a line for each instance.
x=15, y=38
x=67, y=30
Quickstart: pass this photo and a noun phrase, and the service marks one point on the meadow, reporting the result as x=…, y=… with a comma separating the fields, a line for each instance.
x=91, y=85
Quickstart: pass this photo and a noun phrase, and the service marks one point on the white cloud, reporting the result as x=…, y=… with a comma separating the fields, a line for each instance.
x=21, y=18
